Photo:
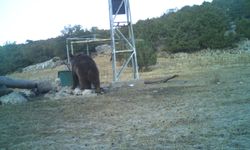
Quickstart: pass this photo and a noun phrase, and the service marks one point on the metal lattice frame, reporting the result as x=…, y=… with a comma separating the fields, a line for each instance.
x=127, y=38
x=71, y=41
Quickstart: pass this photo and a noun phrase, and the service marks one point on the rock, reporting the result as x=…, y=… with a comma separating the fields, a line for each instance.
x=56, y=59
x=57, y=82
x=52, y=63
x=104, y=49
x=77, y=91
x=28, y=93
x=88, y=93
x=66, y=91
x=84, y=93
x=244, y=45
x=13, y=98
x=44, y=87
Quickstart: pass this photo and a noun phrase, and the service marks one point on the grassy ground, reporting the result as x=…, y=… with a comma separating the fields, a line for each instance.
x=206, y=107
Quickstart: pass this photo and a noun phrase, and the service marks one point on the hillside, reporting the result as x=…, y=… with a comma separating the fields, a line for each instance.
x=206, y=107
x=217, y=25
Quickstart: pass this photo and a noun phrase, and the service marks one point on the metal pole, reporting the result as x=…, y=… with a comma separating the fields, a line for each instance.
x=128, y=39
x=112, y=40
x=71, y=47
x=67, y=47
x=131, y=34
x=87, y=49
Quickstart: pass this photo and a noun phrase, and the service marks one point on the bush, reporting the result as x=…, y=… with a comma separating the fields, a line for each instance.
x=191, y=29
x=243, y=28
x=198, y=27
x=146, y=56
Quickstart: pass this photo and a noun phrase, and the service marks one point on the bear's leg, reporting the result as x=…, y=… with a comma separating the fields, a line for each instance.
x=94, y=79
x=88, y=85
x=97, y=87
x=75, y=80
x=83, y=83
x=96, y=83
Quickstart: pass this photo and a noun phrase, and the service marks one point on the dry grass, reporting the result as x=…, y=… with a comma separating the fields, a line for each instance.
x=170, y=64
x=206, y=107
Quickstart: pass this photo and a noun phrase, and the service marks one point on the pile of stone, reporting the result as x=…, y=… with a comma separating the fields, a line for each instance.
x=66, y=92
x=52, y=63
x=17, y=97
x=103, y=49
x=17, y=91
x=56, y=92
x=244, y=45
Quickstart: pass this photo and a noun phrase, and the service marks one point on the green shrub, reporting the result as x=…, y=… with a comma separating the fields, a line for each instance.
x=243, y=28
x=146, y=56
x=195, y=28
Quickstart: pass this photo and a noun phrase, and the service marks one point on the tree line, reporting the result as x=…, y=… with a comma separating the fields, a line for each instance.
x=219, y=24
x=216, y=25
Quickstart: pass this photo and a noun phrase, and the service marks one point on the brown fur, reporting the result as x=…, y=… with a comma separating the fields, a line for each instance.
x=84, y=72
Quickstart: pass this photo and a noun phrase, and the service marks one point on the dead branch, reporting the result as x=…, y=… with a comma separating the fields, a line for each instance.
x=163, y=80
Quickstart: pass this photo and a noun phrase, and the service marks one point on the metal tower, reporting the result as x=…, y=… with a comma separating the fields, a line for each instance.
x=122, y=38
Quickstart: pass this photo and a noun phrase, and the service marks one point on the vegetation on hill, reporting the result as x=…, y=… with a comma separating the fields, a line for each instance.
x=219, y=24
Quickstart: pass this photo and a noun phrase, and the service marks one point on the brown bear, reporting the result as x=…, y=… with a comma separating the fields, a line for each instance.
x=84, y=72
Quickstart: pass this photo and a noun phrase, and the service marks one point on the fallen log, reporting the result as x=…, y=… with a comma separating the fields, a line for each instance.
x=162, y=80
x=4, y=90
x=14, y=83
x=39, y=86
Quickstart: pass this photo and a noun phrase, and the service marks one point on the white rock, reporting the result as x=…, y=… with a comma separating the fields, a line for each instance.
x=104, y=49
x=88, y=93
x=13, y=98
x=28, y=93
x=77, y=91
x=44, y=65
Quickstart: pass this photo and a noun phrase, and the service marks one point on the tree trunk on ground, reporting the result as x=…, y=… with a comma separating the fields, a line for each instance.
x=162, y=80
x=4, y=90
x=14, y=83
x=41, y=86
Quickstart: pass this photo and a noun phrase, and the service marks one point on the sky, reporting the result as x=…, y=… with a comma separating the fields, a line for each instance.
x=22, y=20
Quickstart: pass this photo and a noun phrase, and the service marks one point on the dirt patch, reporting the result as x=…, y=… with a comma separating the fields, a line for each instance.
x=201, y=109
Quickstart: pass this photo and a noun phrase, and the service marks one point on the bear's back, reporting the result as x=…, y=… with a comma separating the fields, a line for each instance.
x=83, y=61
